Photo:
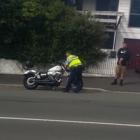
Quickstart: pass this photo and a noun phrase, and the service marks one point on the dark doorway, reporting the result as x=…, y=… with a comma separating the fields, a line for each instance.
x=108, y=44
x=134, y=49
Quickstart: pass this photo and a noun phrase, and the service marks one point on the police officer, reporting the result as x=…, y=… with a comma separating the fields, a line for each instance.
x=74, y=64
x=123, y=60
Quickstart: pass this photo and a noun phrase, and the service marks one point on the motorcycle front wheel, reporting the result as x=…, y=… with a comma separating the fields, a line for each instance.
x=29, y=82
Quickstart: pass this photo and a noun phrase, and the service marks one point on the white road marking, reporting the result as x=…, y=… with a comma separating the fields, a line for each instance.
x=111, y=91
x=70, y=121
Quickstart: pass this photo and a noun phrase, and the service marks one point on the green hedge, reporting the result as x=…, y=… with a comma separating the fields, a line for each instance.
x=41, y=31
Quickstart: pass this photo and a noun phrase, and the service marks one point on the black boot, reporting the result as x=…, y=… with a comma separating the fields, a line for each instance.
x=114, y=82
x=121, y=82
x=65, y=90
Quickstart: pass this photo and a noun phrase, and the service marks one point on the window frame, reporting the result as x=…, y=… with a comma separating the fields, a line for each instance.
x=132, y=14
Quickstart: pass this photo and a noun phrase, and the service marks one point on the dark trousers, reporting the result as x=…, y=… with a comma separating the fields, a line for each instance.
x=75, y=78
x=78, y=79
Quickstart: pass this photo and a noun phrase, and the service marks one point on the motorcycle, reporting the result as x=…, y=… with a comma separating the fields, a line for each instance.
x=51, y=78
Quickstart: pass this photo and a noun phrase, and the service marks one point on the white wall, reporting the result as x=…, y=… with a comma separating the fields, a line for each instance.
x=125, y=31
x=14, y=67
x=10, y=67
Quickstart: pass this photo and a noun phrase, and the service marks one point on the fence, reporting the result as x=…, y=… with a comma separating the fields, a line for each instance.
x=104, y=68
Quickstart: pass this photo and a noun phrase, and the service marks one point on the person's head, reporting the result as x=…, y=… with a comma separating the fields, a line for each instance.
x=124, y=45
x=28, y=64
x=68, y=53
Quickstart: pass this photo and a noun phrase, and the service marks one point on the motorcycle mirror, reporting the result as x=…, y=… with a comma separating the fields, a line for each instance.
x=28, y=65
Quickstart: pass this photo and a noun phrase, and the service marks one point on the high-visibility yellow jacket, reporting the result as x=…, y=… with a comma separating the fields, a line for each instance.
x=73, y=61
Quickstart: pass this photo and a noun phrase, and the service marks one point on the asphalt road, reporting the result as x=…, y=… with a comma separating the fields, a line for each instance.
x=54, y=115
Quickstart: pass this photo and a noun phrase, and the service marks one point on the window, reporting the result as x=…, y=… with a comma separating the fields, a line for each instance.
x=134, y=19
x=79, y=4
x=107, y=5
x=75, y=3
x=70, y=2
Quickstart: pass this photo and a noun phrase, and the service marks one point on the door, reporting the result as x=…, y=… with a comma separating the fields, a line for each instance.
x=134, y=49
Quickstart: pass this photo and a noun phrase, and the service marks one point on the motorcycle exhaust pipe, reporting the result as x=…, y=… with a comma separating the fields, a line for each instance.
x=47, y=82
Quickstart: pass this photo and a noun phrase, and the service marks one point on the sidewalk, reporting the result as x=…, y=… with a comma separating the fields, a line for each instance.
x=131, y=83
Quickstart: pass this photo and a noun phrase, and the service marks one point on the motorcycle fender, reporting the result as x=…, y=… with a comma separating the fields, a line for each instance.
x=30, y=72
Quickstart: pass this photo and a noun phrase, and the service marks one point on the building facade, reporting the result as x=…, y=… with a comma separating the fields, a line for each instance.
x=122, y=21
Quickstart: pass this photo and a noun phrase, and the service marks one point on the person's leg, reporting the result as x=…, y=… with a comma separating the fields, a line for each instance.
x=70, y=80
x=117, y=74
x=123, y=73
x=81, y=78
x=78, y=80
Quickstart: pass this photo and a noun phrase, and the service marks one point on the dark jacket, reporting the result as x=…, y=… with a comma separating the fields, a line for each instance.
x=123, y=53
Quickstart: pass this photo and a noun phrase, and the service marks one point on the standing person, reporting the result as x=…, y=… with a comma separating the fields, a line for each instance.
x=74, y=64
x=122, y=63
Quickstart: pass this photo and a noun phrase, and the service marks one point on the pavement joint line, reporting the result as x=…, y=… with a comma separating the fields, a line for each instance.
x=112, y=91
x=86, y=88
x=11, y=85
x=72, y=122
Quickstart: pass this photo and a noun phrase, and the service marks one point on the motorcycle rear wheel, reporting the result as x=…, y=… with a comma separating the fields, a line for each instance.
x=29, y=82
